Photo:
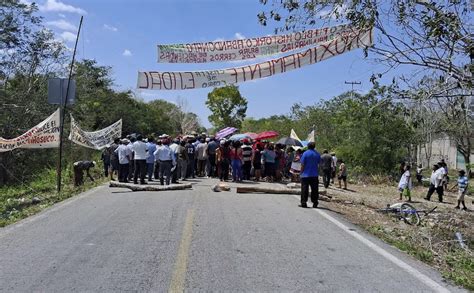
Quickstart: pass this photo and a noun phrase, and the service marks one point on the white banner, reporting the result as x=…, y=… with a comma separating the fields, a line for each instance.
x=96, y=139
x=221, y=51
x=181, y=80
x=43, y=135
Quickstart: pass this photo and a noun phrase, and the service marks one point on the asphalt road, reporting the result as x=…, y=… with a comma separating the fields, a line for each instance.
x=111, y=239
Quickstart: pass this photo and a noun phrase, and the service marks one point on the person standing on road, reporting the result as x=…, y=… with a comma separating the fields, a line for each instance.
x=105, y=157
x=247, y=159
x=167, y=160
x=174, y=171
x=150, y=157
x=201, y=151
x=182, y=160
x=310, y=161
x=334, y=167
x=326, y=166
x=131, y=170
x=123, y=153
x=236, y=157
x=191, y=156
x=223, y=160
x=139, y=150
x=257, y=161
x=342, y=174
x=211, y=154
x=114, y=161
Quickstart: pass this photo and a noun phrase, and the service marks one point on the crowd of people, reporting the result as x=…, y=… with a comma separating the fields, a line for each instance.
x=438, y=182
x=168, y=160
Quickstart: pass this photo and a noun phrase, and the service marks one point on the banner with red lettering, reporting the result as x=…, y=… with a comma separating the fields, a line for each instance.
x=95, y=139
x=222, y=51
x=43, y=135
x=181, y=80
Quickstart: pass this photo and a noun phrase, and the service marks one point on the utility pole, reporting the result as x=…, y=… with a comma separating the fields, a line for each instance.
x=352, y=83
x=63, y=111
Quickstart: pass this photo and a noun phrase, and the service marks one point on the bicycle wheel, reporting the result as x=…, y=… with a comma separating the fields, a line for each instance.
x=409, y=214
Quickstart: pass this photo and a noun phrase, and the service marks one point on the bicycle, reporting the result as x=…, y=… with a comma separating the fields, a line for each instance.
x=406, y=212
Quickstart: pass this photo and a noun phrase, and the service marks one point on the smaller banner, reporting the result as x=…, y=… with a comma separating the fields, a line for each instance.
x=43, y=135
x=231, y=50
x=96, y=139
x=310, y=137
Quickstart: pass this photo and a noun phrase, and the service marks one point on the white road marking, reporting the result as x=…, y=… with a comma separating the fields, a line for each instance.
x=403, y=265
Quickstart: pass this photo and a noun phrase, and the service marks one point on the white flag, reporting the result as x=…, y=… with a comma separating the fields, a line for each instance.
x=294, y=135
x=310, y=137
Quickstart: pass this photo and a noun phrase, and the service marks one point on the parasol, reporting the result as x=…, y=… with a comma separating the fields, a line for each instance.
x=252, y=135
x=241, y=136
x=289, y=141
x=267, y=135
x=225, y=132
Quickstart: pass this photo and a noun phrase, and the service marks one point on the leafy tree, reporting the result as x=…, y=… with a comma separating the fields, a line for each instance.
x=227, y=106
x=431, y=35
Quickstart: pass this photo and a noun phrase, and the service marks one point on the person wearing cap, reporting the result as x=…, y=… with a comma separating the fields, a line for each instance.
x=150, y=157
x=167, y=160
x=156, y=173
x=201, y=152
x=182, y=160
x=79, y=168
x=309, y=175
x=223, y=160
x=139, y=149
x=326, y=166
x=131, y=164
x=190, y=172
x=247, y=159
x=123, y=154
x=174, y=171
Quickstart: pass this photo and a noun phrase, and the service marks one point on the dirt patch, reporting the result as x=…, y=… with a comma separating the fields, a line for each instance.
x=434, y=241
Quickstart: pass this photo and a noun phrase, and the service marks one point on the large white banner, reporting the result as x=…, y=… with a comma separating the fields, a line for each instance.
x=220, y=51
x=96, y=139
x=43, y=135
x=181, y=80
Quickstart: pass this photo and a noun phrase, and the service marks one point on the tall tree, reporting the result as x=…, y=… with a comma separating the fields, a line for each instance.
x=227, y=106
x=433, y=35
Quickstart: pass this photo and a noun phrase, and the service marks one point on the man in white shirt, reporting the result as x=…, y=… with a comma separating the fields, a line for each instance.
x=334, y=166
x=436, y=180
x=174, y=172
x=123, y=153
x=167, y=160
x=201, y=151
x=139, y=149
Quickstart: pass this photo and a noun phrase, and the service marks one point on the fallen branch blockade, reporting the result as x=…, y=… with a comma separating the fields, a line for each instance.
x=248, y=48
x=180, y=80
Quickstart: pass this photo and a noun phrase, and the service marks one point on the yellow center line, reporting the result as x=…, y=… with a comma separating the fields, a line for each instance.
x=179, y=273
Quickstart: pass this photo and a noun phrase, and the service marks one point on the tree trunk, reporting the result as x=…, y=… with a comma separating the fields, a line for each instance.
x=134, y=187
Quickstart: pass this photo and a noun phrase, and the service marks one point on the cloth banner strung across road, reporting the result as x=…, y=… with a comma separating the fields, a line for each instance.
x=43, y=135
x=97, y=139
x=180, y=80
x=231, y=50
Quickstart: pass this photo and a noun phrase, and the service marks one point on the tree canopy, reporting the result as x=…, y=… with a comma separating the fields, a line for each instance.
x=227, y=106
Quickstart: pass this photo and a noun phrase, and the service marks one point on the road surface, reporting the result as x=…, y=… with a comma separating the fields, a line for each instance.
x=110, y=239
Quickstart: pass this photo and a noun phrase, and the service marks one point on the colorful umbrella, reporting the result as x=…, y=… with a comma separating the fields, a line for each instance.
x=289, y=141
x=236, y=137
x=267, y=135
x=252, y=135
x=225, y=132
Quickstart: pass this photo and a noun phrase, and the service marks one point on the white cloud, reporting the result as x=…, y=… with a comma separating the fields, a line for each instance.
x=62, y=24
x=218, y=40
x=239, y=36
x=110, y=28
x=127, y=53
x=26, y=2
x=62, y=15
x=58, y=6
x=68, y=36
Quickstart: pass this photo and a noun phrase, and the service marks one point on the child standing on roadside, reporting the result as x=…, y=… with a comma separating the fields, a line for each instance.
x=462, y=189
x=342, y=174
x=405, y=186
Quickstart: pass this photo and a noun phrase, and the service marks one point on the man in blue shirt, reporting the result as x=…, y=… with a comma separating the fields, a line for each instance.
x=309, y=175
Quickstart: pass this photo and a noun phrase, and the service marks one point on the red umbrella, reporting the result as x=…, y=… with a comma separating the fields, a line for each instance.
x=252, y=135
x=267, y=135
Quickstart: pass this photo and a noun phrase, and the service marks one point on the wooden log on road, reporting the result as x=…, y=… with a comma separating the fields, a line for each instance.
x=150, y=187
x=272, y=190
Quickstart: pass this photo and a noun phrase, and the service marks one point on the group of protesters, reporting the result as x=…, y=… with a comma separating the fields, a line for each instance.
x=438, y=182
x=136, y=158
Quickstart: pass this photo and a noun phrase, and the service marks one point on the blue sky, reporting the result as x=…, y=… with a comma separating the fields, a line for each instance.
x=124, y=34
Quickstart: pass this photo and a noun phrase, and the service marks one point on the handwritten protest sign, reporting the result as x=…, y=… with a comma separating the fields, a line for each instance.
x=96, y=139
x=251, y=48
x=43, y=135
x=181, y=80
